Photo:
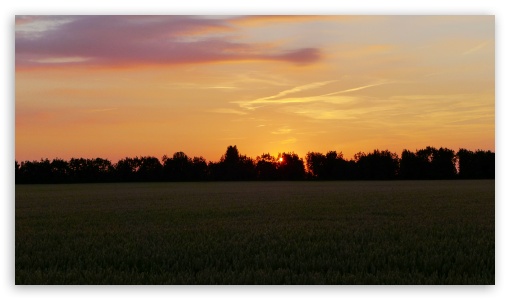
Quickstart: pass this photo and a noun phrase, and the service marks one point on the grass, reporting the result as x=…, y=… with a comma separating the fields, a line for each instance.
x=398, y=232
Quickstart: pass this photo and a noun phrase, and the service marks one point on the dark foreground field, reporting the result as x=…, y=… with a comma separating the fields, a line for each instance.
x=399, y=232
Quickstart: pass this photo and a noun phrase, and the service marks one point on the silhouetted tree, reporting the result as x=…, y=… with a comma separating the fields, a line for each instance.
x=200, y=171
x=35, y=171
x=17, y=178
x=214, y=171
x=411, y=166
x=316, y=164
x=246, y=168
x=425, y=157
x=178, y=168
x=233, y=166
x=60, y=171
x=149, y=169
x=229, y=164
x=443, y=164
x=476, y=165
x=90, y=170
x=378, y=165
x=126, y=168
x=291, y=167
x=266, y=167
x=427, y=163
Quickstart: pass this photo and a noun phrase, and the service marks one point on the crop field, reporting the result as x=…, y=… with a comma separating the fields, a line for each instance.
x=370, y=232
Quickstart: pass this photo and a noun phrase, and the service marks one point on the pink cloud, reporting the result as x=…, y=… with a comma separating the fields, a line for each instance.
x=133, y=40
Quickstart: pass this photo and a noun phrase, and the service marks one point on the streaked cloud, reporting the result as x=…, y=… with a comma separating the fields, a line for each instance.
x=328, y=97
x=228, y=111
x=476, y=48
x=284, y=130
x=61, y=60
x=301, y=88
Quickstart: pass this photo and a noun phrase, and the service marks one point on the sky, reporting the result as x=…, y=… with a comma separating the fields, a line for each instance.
x=11, y=121
x=125, y=86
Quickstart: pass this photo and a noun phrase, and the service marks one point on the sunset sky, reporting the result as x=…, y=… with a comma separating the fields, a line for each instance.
x=117, y=86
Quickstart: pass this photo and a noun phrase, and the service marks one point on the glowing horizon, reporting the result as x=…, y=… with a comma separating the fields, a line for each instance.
x=126, y=86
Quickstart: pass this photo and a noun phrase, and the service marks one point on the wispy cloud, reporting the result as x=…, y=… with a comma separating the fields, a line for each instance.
x=300, y=88
x=284, y=130
x=60, y=60
x=403, y=111
x=228, y=111
x=328, y=97
x=476, y=48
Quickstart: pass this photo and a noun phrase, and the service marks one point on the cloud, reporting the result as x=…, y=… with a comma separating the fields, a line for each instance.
x=288, y=141
x=329, y=97
x=300, y=88
x=323, y=114
x=476, y=48
x=228, y=111
x=283, y=130
x=135, y=40
x=267, y=20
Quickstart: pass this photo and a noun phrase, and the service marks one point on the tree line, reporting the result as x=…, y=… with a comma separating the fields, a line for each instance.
x=427, y=163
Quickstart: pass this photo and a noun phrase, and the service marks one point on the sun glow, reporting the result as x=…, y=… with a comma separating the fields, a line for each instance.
x=280, y=159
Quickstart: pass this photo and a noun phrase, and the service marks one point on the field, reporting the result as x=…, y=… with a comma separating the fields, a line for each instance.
x=372, y=232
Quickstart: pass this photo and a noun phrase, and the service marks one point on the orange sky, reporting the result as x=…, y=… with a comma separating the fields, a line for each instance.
x=117, y=86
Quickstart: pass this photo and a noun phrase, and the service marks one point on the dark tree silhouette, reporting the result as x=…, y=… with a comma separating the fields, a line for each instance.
x=125, y=169
x=60, y=171
x=90, y=170
x=291, y=167
x=331, y=166
x=35, y=171
x=149, y=169
x=200, y=171
x=266, y=167
x=412, y=166
x=427, y=163
x=229, y=164
x=443, y=164
x=378, y=165
x=246, y=168
x=476, y=165
x=178, y=168
x=316, y=164
x=233, y=166
x=424, y=166
x=17, y=177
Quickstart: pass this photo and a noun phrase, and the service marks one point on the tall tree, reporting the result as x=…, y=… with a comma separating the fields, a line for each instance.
x=443, y=164
x=411, y=166
x=316, y=164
